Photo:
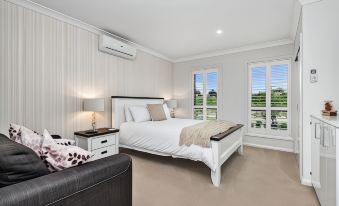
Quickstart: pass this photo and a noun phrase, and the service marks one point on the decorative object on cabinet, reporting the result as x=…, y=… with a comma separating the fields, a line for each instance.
x=329, y=110
x=172, y=104
x=103, y=143
x=94, y=105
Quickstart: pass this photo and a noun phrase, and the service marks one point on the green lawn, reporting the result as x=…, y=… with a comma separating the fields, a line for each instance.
x=211, y=100
x=211, y=112
x=277, y=99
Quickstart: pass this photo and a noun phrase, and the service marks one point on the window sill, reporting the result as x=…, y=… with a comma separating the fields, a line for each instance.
x=269, y=136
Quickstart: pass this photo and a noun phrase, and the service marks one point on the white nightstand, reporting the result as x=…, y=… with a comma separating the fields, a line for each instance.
x=102, y=143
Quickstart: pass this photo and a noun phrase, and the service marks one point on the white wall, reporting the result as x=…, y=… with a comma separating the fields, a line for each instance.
x=48, y=66
x=233, y=89
x=321, y=45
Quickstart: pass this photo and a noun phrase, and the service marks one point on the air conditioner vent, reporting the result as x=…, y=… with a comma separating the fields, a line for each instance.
x=114, y=47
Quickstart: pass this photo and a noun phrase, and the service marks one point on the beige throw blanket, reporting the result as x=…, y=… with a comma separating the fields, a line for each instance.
x=200, y=134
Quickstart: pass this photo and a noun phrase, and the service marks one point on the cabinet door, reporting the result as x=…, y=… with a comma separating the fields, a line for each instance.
x=330, y=144
x=315, y=156
x=322, y=190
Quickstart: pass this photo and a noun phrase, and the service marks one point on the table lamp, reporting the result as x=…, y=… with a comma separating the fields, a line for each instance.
x=172, y=104
x=94, y=105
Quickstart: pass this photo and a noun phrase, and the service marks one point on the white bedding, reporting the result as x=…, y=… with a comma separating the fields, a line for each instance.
x=163, y=137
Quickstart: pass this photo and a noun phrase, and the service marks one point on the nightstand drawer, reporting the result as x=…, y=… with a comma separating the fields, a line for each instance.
x=103, y=152
x=103, y=141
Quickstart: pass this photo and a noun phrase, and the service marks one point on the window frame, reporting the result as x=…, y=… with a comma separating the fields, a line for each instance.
x=268, y=108
x=204, y=107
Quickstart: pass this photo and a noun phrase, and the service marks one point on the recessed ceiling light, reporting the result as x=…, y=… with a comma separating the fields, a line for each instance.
x=219, y=31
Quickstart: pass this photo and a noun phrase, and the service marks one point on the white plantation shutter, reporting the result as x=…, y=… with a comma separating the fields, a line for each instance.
x=258, y=87
x=205, y=94
x=279, y=85
x=269, y=96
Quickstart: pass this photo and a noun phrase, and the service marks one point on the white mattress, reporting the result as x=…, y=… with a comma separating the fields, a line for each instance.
x=163, y=137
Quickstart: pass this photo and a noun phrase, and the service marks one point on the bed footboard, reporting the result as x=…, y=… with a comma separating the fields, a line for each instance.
x=223, y=146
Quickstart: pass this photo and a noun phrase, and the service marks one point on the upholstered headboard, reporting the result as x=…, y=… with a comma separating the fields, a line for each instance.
x=119, y=102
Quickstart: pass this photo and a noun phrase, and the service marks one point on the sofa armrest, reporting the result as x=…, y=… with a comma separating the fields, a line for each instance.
x=107, y=181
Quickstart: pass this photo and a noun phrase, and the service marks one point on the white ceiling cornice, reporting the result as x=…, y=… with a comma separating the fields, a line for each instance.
x=304, y=2
x=296, y=17
x=70, y=20
x=296, y=14
x=237, y=50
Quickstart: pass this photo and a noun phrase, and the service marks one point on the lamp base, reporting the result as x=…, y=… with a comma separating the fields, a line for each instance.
x=94, y=125
x=172, y=113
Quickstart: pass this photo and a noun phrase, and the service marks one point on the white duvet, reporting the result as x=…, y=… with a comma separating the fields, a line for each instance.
x=163, y=137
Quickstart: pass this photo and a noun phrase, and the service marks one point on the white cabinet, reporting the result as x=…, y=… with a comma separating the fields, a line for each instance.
x=324, y=161
x=103, y=143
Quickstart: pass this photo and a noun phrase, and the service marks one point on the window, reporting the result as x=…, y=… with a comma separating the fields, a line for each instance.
x=205, y=90
x=269, y=98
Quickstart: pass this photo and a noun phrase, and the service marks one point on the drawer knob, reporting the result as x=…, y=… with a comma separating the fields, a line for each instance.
x=104, y=152
x=104, y=141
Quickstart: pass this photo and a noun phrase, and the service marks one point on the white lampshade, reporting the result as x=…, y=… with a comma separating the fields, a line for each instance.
x=172, y=103
x=94, y=105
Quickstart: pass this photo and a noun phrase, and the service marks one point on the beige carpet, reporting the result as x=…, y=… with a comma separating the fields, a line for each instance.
x=259, y=178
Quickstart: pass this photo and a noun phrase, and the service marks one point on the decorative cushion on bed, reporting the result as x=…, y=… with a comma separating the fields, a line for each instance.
x=157, y=112
x=140, y=113
x=128, y=115
x=167, y=111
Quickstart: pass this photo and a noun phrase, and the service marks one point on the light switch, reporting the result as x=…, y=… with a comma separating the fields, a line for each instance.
x=313, y=76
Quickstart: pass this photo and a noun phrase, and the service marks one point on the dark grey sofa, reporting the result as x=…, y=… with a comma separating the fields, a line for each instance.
x=103, y=182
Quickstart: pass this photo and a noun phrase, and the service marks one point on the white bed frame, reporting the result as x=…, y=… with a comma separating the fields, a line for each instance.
x=221, y=149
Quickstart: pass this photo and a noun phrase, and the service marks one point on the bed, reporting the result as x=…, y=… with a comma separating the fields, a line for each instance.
x=162, y=137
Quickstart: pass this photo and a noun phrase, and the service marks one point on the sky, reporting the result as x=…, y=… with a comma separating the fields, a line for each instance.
x=212, y=81
x=279, y=77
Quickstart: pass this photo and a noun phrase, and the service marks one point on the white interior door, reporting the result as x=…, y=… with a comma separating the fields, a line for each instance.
x=300, y=108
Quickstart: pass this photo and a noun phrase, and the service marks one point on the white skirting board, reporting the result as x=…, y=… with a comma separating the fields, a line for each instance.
x=286, y=145
x=306, y=182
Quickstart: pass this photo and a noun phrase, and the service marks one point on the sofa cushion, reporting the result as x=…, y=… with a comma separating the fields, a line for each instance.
x=18, y=163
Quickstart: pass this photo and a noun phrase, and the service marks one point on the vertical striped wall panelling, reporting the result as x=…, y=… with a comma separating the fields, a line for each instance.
x=48, y=67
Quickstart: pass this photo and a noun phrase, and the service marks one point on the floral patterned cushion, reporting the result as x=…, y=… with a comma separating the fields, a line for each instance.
x=15, y=132
x=61, y=156
x=57, y=155
x=34, y=142
x=66, y=142
x=31, y=140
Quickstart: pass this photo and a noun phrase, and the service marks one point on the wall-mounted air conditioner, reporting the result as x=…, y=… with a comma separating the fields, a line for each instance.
x=112, y=46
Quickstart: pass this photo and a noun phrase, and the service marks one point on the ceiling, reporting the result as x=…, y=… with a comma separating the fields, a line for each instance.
x=179, y=29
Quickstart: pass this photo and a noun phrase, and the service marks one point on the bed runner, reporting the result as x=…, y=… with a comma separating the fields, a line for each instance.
x=200, y=134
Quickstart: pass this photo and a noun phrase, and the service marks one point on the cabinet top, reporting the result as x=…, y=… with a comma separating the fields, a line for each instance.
x=331, y=120
x=100, y=131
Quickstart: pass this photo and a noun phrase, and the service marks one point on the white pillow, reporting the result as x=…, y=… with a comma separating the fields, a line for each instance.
x=167, y=112
x=128, y=115
x=140, y=113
